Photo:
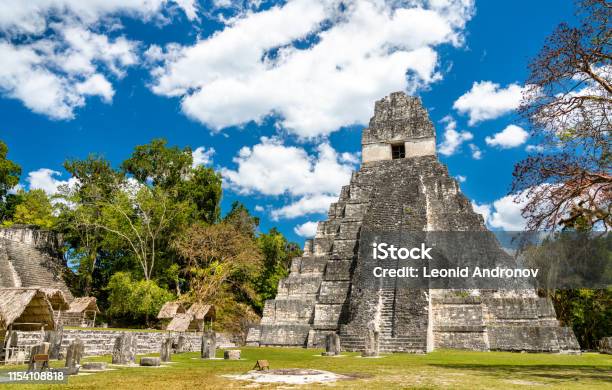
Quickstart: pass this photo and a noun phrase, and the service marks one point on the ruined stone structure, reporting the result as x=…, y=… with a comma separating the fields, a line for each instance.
x=30, y=258
x=401, y=185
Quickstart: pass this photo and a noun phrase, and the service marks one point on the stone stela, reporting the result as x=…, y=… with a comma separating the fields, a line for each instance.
x=400, y=186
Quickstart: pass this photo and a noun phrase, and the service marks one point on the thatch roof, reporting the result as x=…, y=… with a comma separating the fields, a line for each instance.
x=56, y=298
x=180, y=322
x=171, y=309
x=201, y=311
x=25, y=309
x=80, y=305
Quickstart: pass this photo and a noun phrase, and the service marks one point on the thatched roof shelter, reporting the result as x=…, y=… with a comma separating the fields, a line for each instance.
x=56, y=297
x=181, y=323
x=84, y=304
x=170, y=310
x=25, y=309
x=201, y=311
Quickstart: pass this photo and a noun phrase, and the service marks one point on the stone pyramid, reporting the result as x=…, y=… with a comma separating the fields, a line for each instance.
x=401, y=185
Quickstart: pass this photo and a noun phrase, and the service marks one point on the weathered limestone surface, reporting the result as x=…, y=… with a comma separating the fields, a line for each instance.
x=231, y=354
x=605, y=345
x=150, y=361
x=74, y=353
x=94, y=366
x=372, y=344
x=101, y=342
x=125, y=349
x=29, y=258
x=165, y=352
x=415, y=194
x=332, y=344
x=54, y=338
x=209, y=345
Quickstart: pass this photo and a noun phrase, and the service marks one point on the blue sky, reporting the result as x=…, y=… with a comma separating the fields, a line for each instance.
x=279, y=90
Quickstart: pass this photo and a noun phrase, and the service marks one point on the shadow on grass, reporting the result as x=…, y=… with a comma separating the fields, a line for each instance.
x=554, y=372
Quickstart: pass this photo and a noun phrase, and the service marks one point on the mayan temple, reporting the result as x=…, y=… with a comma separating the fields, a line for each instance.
x=31, y=258
x=401, y=185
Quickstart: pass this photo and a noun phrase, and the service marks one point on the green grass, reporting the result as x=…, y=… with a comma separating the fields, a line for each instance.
x=437, y=370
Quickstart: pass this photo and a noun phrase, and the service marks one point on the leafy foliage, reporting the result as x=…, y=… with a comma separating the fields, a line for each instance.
x=218, y=257
x=140, y=299
x=9, y=171
x=277, y=254
x=35, y=209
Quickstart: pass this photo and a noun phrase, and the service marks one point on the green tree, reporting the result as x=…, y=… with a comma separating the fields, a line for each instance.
x=96, y=181
x=35, y=209
x=241, y=218
x=142, y=221
x=9, y=178
x=9, y=171
x=277, y=255
x=8, y=206
x=202, y=187
x=135, y=299
x=158, y=164
x=219, y=257
x=170, y=168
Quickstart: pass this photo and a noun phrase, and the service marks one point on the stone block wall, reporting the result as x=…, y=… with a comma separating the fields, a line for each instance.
x=101, y=342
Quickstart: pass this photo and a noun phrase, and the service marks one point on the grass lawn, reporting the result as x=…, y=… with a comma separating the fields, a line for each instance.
x=440, y=369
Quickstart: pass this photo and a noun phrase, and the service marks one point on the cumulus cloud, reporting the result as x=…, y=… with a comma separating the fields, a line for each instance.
x=510, y=137
x=259, y=209
x=451, y=138
x=299, y=61
x=34, y=16
x=272, y=168
x=202, y=156
x=306, y=230
x=487, y=100
x=46, y=180
x=461, y=178
x=476, y=152
x=309, y=204
x=54, y=54
x=503, y=213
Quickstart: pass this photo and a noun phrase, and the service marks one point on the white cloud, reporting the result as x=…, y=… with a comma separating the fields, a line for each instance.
x=307, y=230
x=510, y=137
x=482, y=209
x=300, y=61
x=202, y=156
x=476, y=152
x=33, y=16
x=534, y=148
x=487, y=100
x=45, y=179
x=451, y=138
x=259, y=209
x=272, y=168
x=56, y=53
x=461, y=178
x=309, y=204
x=503, y=213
